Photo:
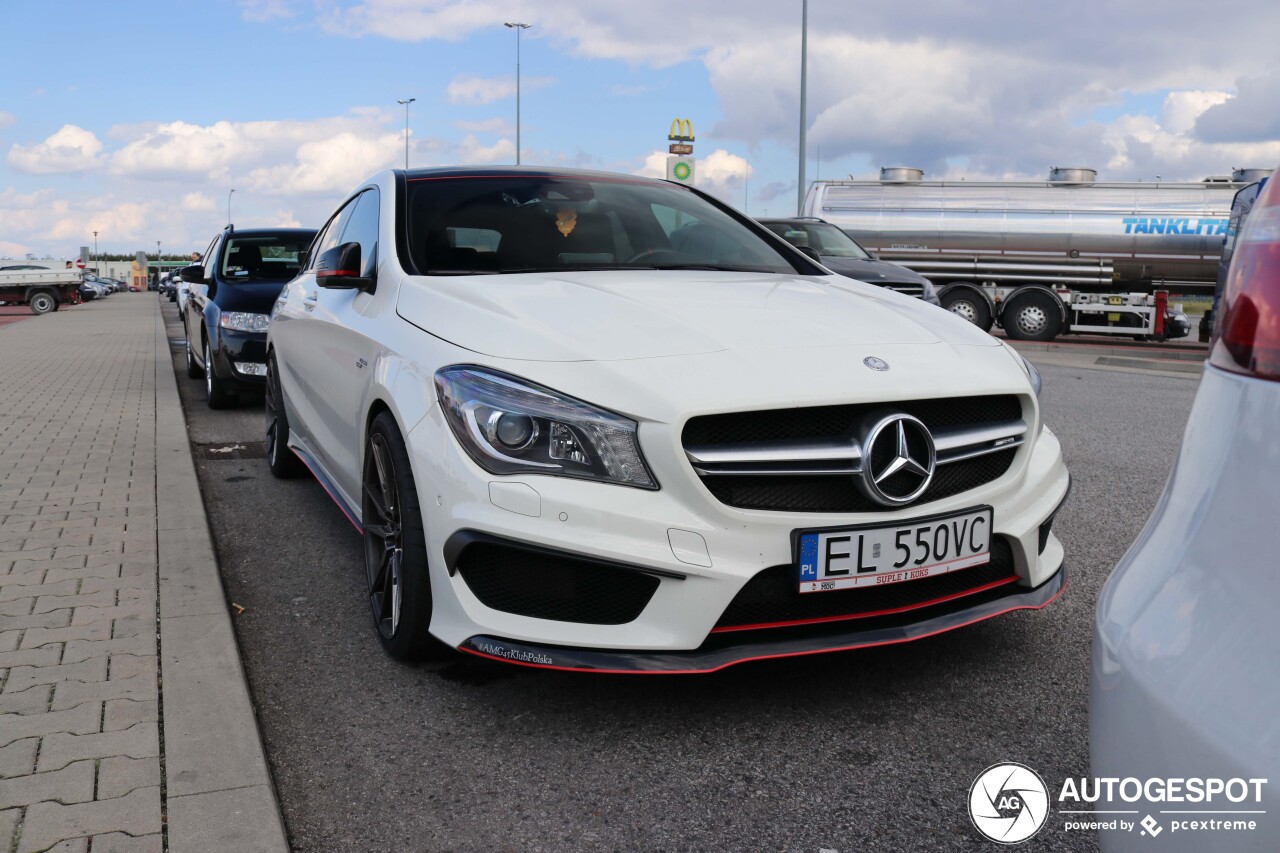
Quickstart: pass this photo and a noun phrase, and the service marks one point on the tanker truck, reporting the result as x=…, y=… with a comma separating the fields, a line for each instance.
x=1069, y=255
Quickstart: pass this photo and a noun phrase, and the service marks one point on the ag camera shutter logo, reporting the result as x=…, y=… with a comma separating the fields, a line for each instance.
x=1008, y=803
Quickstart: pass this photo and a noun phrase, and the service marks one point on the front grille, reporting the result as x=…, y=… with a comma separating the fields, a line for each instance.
x=802, y=492
x=547, y=585
x=907, y=289
x=819, y=422
x=773, y=597
x=839, y=494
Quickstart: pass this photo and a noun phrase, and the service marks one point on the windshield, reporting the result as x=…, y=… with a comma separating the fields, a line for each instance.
x=263, y=258
x=822, y=237
x=524, y=223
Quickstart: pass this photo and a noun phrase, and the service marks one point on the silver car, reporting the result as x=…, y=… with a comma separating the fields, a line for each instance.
x=1186, y=676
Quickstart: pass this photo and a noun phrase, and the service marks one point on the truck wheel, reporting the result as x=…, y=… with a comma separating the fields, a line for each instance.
x=42, y=302
x=1031, y=316
x=969, y=305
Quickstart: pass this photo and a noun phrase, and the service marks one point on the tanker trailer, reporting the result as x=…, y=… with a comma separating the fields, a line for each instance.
x=1043, y=258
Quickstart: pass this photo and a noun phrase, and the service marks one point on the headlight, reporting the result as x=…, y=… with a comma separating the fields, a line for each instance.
x=929, y=294
x=1032, y=373
x=512, y=426
x=241, y=321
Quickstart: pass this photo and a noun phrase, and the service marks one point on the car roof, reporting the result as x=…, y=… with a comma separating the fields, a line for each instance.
x=273, y=232
x=522, y=171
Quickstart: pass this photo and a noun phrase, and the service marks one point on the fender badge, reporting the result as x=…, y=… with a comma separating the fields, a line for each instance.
x=875, y=363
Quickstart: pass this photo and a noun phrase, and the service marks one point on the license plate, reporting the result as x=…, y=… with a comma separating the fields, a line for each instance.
x=875, y=555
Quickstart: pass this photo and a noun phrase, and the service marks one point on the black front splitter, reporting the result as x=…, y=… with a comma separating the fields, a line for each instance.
x=709, y=660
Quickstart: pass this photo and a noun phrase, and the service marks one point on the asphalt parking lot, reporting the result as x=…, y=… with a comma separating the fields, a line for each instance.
x=869, y=750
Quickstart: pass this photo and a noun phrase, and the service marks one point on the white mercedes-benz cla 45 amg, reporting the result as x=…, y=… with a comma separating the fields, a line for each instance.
x=599, y=422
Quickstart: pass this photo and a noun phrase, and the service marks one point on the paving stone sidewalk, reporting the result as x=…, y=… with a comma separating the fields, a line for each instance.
x=109, y=590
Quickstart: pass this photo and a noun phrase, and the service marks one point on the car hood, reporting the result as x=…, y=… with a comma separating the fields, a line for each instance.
x=623, y=314
x=874, y=272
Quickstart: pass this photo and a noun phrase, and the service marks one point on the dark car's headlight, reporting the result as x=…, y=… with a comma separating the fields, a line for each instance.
x=243, y=321
x=929, y=293
x=509, y=425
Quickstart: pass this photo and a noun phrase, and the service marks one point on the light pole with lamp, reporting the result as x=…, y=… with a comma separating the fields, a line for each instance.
x=804, y=68
x=406, y=102
x=233, y=190
x=157, y=265
x=517, y=27
x=96, y=271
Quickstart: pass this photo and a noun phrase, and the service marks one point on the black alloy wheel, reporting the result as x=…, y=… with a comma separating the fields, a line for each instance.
x=395, y=550
x=284, y=463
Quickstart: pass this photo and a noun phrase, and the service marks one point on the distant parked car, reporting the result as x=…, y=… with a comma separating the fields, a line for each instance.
x=1185, y=678
x=840, y=253
x=230, y=304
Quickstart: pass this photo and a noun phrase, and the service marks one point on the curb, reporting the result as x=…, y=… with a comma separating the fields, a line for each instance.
x=219, y=794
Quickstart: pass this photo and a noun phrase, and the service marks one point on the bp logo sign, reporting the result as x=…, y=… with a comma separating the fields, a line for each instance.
x=1008, y=803
x=679, y=168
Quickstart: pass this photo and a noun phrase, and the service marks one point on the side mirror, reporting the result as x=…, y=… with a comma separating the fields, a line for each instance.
x=339, y=268
x=193, y=274
x=810, y=253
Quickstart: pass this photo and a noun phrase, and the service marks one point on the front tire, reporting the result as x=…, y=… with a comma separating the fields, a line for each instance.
x=395, y=546
x=1032, y=315
x=42, y=302
x=284, y=463
x=215, y=389
x=193, y=369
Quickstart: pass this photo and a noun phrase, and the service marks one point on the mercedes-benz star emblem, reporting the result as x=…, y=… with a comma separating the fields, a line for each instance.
x=875, y=363
x=898, y=459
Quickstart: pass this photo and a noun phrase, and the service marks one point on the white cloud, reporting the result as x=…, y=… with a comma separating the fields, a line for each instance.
x=197, y=202
x=71, y=149
x=266, y=10
x=485, y=90
x=7, y=119
x=499, y=126
x=334, y=165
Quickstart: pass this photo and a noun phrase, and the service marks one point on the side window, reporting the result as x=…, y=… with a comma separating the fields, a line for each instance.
x=328, y=237
x=362, y=227
x=210, y=257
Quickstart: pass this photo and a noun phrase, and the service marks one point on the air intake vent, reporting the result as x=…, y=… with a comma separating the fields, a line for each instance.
x=1249, y=176
x=900, y=175
x=1072, y=175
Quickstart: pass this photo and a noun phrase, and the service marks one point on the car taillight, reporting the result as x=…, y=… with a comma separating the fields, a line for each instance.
x=1249, y=340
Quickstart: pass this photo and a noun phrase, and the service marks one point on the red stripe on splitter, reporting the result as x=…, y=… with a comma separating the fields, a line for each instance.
x=867, y=614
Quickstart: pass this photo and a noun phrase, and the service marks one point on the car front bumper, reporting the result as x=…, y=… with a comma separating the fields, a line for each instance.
x=235, y=351
x=701, y=552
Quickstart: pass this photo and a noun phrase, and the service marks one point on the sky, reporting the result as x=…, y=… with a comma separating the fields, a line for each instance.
x=137, y=119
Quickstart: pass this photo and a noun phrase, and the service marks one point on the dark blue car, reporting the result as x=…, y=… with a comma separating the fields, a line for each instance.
x=229, y=307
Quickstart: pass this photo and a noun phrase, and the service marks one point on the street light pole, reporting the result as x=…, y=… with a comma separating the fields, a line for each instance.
x=406, y=102
x=233, y=190
x=96, y=271
x=517, y=27
x=157, y=263
x=804, y=68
